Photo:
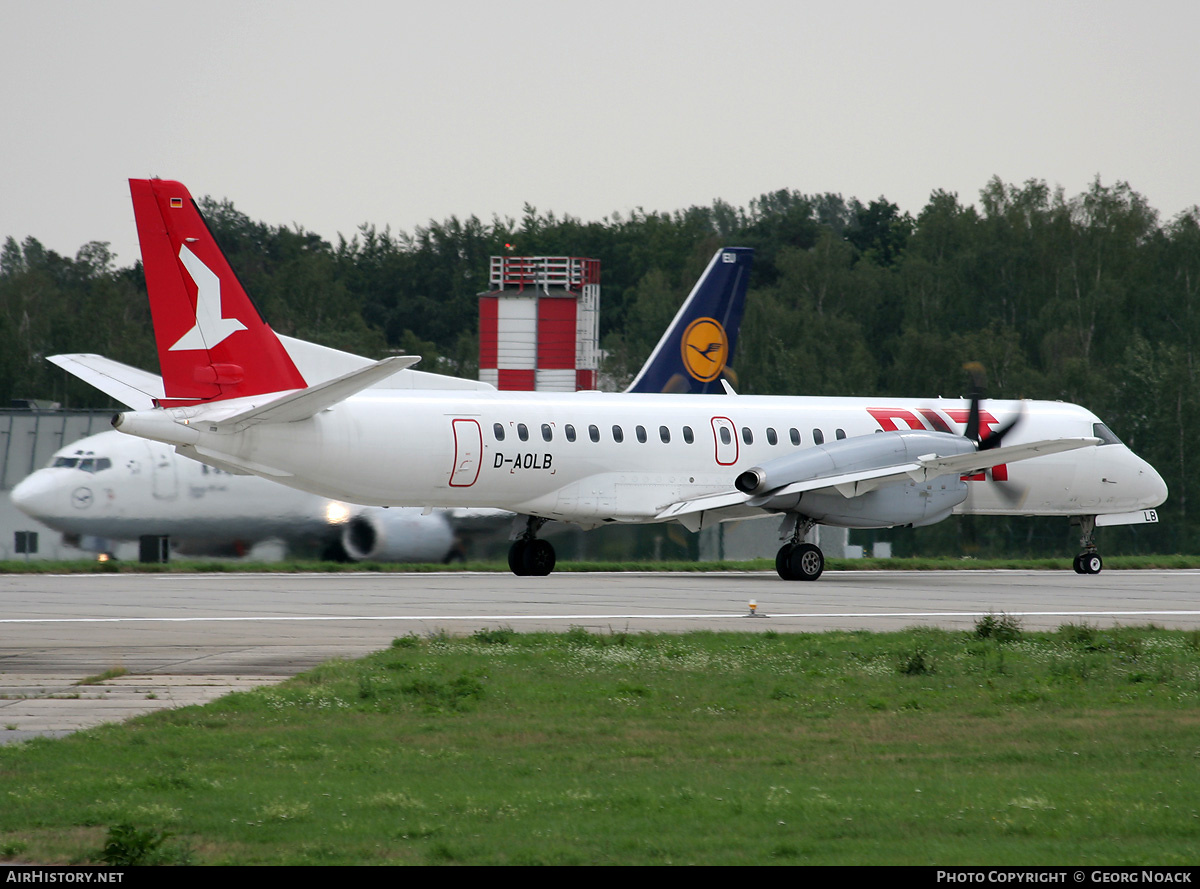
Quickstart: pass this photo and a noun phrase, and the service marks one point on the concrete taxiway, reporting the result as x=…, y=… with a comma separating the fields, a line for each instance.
x=179, y=639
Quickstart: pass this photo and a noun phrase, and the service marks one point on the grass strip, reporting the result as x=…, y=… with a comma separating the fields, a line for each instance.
x=918, y=747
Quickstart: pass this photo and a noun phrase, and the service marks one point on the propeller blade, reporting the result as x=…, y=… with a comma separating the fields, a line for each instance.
x=975, y=369
x=996, y=438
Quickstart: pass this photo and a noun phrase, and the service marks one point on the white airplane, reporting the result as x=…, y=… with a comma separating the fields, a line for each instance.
x=110, y=487
x=115, y=487
x=232, y=396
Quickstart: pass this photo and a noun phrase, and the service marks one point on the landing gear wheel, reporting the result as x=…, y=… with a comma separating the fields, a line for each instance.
x=516, y=557
x=538, y=558
x=1091, y=563
x=1077, y=564
x=781, y=561
x=805, y=561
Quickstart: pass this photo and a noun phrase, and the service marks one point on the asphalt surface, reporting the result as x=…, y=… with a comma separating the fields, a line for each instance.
x=179, y=639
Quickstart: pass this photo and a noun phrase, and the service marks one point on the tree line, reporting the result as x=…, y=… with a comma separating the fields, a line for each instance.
x=1091, y=298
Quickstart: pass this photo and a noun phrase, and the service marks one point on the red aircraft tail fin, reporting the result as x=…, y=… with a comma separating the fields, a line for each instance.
x=212, y=343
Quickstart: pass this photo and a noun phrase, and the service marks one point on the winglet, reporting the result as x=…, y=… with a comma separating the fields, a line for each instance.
x=694, y=354
x=212, y=343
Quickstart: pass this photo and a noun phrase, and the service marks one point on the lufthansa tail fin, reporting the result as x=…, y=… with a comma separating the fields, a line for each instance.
x=694, y=354
x=212, y=343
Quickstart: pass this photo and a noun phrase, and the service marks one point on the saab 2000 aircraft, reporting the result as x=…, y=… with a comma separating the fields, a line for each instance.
x=234, y=399
x=115, y=487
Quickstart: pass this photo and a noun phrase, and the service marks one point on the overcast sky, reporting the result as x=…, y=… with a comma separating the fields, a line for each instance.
x=334, y=114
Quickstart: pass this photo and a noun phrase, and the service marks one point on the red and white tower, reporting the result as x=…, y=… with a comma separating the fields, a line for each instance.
x=538, y=326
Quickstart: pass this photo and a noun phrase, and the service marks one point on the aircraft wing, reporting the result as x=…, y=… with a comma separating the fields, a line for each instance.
x=859, y=482
x=134, y=388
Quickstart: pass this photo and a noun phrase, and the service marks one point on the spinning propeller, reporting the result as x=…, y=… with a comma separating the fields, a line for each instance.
x=978, y=384
x=1005, y=489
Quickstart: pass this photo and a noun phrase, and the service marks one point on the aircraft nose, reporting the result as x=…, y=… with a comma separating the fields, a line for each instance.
x=35, y=495
x=1152, y=490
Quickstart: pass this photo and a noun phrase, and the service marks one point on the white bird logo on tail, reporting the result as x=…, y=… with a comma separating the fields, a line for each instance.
x=210, y=327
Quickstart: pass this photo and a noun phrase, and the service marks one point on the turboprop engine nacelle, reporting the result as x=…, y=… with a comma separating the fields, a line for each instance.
x=915, y=503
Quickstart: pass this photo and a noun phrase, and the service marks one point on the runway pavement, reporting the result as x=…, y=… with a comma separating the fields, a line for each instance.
x=187, y=638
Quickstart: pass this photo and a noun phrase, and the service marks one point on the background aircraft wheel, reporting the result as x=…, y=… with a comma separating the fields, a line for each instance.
x=1078, y=564
x=516, y=557
x=806, y=561
x=781, y=561
x=1091, y=562
x=538, y=558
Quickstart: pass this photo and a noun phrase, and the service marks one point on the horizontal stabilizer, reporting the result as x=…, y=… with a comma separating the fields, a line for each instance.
x=134, y=388
x=304, y=403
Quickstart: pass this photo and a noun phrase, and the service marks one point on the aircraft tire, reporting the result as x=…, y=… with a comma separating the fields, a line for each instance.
x=806, y=562
x=1078, y=564
x=538, y=558
x=1091, y=563
x=516, y=557
x=781, y=561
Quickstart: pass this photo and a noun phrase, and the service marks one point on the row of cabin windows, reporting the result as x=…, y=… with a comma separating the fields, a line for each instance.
x=664, y=434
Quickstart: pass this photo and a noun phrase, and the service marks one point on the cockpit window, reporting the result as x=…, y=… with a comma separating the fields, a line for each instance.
x=1102, y=432
x=87, y=464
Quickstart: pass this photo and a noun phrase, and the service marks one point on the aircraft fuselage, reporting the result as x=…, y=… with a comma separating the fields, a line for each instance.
x=595, y=457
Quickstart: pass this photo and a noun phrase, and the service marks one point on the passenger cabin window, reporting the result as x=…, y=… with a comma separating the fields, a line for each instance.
x=522, y=432
x=795, y=435
x=547, y=432
x=688, y=436
x=772, y=438
x=665, y=434
x=641, y=433
x=618, y=434
x=594, y=433
x=747, y=435
x=726, y=438
x=569, y=431
x=839, y=434
x=498, y=431
x=818, y=437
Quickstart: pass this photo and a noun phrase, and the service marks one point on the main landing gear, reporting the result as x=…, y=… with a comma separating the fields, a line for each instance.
x=529, y=556
x=797, y=560
x=1088, y=561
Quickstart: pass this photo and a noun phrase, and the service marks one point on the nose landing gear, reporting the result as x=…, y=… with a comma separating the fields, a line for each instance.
x=1088, y=561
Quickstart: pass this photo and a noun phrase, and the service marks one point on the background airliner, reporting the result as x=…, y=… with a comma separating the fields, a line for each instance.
x=114, y=487
x=233, y=397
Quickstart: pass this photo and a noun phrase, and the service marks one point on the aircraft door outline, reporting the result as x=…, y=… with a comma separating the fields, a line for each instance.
x=725, y=441
x=164, y=484
x=468, y=452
